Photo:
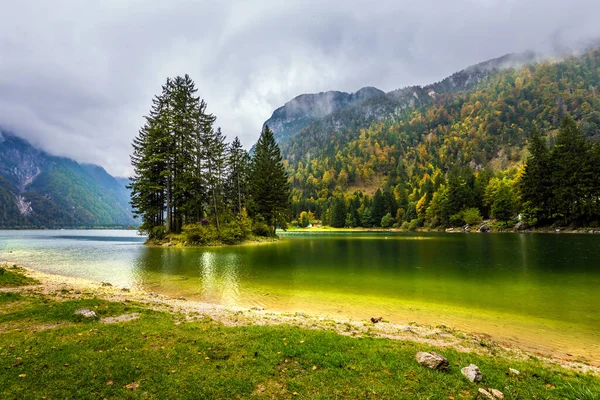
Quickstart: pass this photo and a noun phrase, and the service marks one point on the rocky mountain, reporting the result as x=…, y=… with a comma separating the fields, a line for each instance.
x=331, y=111
x=307, y=108
x=43, y=191
x=407, y=141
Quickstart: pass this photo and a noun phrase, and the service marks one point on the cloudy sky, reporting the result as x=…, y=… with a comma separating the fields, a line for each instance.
x=77, y=76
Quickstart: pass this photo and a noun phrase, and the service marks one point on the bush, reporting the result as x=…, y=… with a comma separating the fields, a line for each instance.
x=457, y=219
x=387, y=220
x=199, y=234
x=304, y=221
x=260, y=227
x=414, y=224
x=231, y=233
x=472, y=216
x=157, y=233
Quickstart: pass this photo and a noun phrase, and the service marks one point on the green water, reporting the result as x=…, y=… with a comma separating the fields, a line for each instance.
x=541, y=291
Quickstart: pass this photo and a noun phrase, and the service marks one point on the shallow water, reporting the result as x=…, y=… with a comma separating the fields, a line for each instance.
x=541, y=291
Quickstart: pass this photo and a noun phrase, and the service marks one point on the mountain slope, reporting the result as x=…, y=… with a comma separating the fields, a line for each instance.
x=407, y=141
x=40, y=190
x=307, y=108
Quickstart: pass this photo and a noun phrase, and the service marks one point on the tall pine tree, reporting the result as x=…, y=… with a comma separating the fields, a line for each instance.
x=269, y=185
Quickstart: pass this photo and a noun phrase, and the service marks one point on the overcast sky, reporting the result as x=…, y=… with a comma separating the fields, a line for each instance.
x=77, y=76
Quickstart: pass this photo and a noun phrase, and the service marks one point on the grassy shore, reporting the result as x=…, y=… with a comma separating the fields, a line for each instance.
x=146, y=346
x=180, y=240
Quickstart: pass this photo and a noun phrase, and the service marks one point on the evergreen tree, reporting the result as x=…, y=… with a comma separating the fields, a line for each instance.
x=269, y=185
x=378, y=210
x=569, y=160
x=536, y=184
x=237, y=178
x=167, y=160
x=338, y=213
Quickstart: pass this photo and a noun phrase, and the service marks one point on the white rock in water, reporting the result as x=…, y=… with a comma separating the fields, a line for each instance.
x=472, y=373
x=86, y=313
x=432, y=360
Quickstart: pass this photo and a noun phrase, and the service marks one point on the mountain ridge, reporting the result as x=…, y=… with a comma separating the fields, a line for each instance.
x=45, y=191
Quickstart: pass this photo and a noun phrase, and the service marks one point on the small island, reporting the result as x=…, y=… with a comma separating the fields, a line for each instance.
x=192, y=188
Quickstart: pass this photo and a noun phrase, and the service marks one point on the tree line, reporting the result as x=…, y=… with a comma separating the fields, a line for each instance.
x=559, y=184
x=188, y=180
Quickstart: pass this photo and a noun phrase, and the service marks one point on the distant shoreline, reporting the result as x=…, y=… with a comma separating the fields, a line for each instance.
x=546, y=230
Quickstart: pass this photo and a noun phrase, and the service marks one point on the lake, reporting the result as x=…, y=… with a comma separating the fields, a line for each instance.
x=540, y=291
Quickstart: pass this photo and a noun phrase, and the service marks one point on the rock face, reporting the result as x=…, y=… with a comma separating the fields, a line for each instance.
x=432, y=360
x=307, y=108
x=86, y=313
x=472, y=373
x=484, y=228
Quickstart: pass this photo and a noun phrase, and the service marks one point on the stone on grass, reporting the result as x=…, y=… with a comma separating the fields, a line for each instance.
x=485, y=393
x=472, y=373
x=432, y=360
x=513, y=371
x=86, y=313
x=497, y=394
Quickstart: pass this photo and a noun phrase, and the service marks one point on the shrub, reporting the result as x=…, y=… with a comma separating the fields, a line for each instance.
x=158, y=233
x=414, y=224
x=231, y=233
x=260, y=227
x=387, y=220
x=304, y=220
x=457, y=219
x=472, y=216
x=199, y=234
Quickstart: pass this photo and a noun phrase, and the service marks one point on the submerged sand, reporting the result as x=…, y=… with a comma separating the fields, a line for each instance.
x=68, y=288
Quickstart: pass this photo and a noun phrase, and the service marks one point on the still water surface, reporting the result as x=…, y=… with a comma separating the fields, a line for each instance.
x=540, y=291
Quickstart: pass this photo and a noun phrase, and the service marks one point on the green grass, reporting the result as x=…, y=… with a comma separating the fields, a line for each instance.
x=162, y=356
x=11, y=276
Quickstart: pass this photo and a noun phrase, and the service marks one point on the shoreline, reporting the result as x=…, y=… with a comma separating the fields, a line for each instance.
x=63, y=288
x=545, y=230
x=180, y=245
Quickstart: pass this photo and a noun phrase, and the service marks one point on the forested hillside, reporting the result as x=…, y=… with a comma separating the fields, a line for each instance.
x=453, y=152
x=41, y=191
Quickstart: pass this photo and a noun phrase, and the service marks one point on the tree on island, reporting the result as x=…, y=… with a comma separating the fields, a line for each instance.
x=269, y=185
x=189, y=180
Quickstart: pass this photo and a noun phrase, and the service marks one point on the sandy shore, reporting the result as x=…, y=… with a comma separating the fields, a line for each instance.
x=63, y=288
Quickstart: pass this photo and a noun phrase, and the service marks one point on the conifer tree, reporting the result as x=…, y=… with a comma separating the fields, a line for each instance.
x=237, y=178
x=536, y=185
x=569, y=158
x=269, y=185
x=216, y=156
x=166, y=158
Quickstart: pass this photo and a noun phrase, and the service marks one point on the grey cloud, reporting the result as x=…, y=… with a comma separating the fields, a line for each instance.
x=76, y=77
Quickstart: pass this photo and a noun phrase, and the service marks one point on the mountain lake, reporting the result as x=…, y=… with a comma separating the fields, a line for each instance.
x=539, y=292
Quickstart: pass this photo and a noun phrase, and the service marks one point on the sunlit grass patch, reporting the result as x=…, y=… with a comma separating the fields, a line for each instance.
x=160, y=355
x=11, y=276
